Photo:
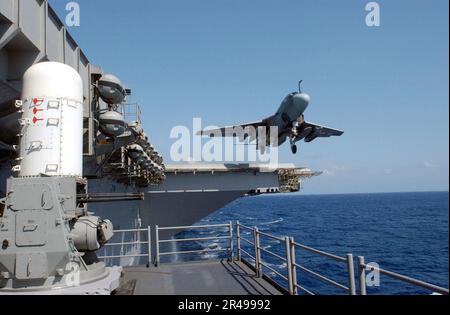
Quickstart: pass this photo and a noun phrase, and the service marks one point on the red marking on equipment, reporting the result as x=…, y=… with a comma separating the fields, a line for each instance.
x=35, y=120
x=37, y=102
x=35, y=110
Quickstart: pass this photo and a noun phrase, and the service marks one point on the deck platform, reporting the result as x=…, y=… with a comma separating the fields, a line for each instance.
x=195, y=278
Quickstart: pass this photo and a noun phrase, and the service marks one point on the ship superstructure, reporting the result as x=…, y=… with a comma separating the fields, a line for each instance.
x=77, y=169
x=118, y=156
x=69, y=138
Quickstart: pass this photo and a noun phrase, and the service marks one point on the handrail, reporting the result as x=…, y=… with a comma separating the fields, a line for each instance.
x=192, y=227
x=304, y=289
x=130, y=230
x=259, y=263
x=123, y=256
x=126, y=243
x=272, y=236
x=275, y=271
x=322, y=253
x=148, y=242
x=362, y=266
x=194, y=239
x=273, y=254
x=244, y=226
x=193, y=251
x=290, y=260
x=158, y=241
x=325, y=279
x=246, y=240
x=248, y=254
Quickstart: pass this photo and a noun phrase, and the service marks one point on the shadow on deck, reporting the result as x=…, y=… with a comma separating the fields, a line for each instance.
x=195, y=278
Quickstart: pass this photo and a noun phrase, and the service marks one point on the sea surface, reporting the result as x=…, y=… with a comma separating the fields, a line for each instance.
x=407, y=233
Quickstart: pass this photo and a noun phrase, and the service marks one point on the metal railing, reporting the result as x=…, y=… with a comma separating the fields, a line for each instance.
x=255, y=258
x=347, y=261
x=362, y=267
x=290, y=260
x=147, y=242
x=131, y=112
x=229, y=237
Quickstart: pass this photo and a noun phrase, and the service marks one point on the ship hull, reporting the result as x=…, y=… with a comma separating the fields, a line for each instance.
x=184, y=198
x=165, y=209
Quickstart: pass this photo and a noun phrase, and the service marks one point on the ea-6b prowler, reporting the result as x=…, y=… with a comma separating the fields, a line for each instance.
x=289, y=123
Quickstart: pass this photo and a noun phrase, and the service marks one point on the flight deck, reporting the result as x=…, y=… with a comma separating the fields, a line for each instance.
x=216, y=277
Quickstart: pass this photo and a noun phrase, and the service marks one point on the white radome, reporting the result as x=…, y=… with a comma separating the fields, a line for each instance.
x=52, y=121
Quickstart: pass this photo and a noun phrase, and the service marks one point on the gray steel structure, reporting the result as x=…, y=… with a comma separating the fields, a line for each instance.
x=49, y=239
x=189, y=193
x=31, y=32
x=38, y=215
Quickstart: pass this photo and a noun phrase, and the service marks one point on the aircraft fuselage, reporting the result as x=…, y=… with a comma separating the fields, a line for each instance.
x=291, y=109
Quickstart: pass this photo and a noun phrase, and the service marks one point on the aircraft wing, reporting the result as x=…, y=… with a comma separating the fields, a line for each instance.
x=230, y=131
x=311, y=131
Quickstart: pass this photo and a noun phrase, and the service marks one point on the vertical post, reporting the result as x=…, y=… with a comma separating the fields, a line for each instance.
x=149, y=246
x=289, y=265
x=230, y=227
x=257, y=252
x=362, y=275
x=157, y=245
x=238, y=241
x=294, y=267
x=351, y=275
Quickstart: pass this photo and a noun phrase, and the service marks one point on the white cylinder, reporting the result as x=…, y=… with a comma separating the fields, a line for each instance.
x=52, y=121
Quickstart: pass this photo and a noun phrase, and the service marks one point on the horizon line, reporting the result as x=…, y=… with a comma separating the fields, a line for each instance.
x=359, y=193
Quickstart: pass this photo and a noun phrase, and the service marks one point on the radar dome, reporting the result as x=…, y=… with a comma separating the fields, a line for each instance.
x=111, y=89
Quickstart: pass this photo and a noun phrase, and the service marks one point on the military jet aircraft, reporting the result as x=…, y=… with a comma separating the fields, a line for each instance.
x=289, y=121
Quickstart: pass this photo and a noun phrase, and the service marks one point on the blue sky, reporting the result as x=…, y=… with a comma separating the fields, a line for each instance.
x=233, y=61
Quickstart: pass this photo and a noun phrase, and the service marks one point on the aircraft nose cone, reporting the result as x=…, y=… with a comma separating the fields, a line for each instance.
x=303, y=98
x=301, y=101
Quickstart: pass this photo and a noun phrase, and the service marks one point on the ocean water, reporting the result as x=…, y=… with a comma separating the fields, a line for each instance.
x=402, y=232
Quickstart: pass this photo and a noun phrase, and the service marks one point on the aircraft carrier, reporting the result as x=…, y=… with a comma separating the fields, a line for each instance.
x=122, y=160
x=78, y=175
x=117, y=173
